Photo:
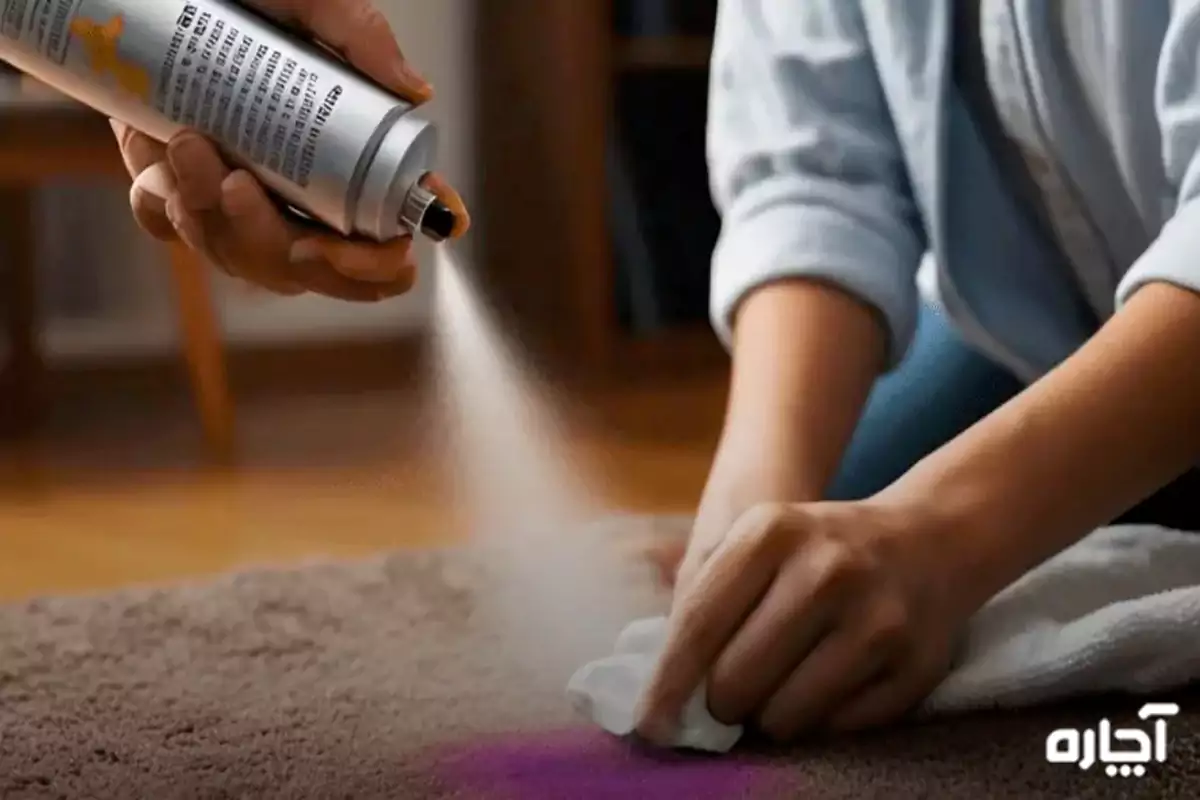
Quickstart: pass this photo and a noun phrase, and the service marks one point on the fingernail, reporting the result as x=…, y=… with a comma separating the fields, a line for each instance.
x=237, y=191
x=305, y=250
x=174, y=213
x=410, y=78
x=156, y=180
x=154, y=203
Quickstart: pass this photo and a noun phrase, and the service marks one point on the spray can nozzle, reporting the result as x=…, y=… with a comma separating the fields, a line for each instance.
x=423, y=211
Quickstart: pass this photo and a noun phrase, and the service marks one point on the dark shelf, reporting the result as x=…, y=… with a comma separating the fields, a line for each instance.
x=663, y=52
x=664, y=226
x=635, y=97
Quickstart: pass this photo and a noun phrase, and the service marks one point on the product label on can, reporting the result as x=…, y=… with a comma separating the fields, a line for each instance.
x=220, y=79
x=208, y=65
x=45, y=25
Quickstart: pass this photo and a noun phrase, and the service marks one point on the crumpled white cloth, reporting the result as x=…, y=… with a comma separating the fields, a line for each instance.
x=608, y=691
x=1119, y=611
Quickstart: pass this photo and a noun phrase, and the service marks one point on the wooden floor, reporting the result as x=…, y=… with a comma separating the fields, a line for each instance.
x=117, y=493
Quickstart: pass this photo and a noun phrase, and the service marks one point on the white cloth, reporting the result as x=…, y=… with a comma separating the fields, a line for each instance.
x=1120, y=611
x=608, y=690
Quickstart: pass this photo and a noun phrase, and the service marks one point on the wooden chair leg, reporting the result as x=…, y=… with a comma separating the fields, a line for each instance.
x=22, y=369
x=204, y=352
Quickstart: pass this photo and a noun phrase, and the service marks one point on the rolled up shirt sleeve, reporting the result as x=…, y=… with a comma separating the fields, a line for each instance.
x=805, y=166
x=1174, y=256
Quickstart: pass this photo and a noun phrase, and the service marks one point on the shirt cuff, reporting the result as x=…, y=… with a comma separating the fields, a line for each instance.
x=1173, y=258
x=791, y=241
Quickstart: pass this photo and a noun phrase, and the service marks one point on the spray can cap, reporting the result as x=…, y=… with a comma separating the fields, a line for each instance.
x=423, y=211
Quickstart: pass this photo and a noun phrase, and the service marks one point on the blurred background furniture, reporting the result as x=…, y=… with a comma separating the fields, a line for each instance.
x=45, y=136
x=594, y=205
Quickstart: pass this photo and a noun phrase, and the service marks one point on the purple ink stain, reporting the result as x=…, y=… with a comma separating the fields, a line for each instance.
x=593, y=766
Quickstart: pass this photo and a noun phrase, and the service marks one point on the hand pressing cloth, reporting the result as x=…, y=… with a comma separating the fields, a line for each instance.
x=1119, y=611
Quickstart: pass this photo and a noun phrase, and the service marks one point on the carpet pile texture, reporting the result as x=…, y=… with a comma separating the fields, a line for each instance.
x=389, y=678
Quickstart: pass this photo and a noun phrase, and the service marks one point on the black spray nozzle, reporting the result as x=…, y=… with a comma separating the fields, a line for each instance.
x=439, y=221
x=425, y=212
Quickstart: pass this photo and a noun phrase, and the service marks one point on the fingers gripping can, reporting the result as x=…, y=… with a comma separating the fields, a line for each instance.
x=326, y=140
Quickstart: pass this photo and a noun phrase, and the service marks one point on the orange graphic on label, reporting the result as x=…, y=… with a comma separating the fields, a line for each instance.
x=101, y=42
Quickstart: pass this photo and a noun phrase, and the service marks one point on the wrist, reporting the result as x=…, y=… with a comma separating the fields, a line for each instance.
x=766, y=460
x=979, y=547
x=749, y=470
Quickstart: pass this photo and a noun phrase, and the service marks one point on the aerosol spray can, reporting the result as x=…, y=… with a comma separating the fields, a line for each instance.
x=326, y=140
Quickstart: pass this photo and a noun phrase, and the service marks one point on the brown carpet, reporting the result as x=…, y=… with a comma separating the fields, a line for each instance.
x=390, y=679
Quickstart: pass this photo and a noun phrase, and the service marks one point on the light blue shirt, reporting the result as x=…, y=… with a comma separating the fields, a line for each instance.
x=839, y=151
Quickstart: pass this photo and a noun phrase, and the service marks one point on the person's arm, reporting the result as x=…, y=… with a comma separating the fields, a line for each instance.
x=813, y=284
x=805, y=357
x=805, y=166
x=1119, y=419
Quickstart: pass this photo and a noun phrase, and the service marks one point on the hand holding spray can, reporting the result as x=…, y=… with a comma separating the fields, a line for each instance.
x=326, y=140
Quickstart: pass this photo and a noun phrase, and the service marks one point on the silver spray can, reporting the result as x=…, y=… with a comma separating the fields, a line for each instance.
x=326, y=140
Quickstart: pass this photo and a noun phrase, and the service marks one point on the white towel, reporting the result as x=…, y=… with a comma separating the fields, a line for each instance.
x=1119, y=611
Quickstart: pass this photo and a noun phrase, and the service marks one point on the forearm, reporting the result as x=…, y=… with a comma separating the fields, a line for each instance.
x=804, y=358
x=1112, y=425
